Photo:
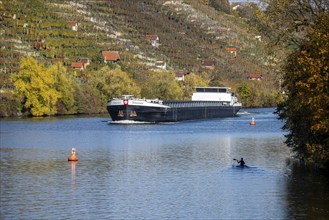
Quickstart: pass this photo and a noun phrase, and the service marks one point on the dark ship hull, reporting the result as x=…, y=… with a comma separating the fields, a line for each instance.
x=172, y=111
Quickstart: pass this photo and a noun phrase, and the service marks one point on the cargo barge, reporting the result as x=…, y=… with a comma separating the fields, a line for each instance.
x=207, y=103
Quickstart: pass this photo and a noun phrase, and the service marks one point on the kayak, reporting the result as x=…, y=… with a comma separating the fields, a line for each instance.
x=239, y=166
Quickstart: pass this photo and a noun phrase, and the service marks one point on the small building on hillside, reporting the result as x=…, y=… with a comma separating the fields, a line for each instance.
x=258, y=37
x=161, y=64
x=77, y=66
x=208, y=64
x=180, y=75
x=232, y=50
x=84, y=60
x=73, y=25
x=80, y=64
x=153, y=39
x=111, y=56
x=39, y=44
x=255, y=76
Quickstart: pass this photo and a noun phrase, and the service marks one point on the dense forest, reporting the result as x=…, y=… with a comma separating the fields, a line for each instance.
x=47, y=33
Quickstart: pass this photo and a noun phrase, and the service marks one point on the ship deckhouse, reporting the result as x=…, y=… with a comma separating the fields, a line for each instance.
x=221, y=94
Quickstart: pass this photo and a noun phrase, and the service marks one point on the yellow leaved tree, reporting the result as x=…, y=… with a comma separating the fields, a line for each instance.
x=190, y=82
x=37, y=85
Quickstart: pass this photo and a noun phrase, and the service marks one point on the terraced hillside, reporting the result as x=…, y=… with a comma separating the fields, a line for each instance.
x=190, y=33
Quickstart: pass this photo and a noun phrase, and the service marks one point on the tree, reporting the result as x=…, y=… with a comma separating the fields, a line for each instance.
x=306, y=83
x=163, y=86
x=244, y=93
x=65, y=84
x=220, y=5
x=190, y=82
x=37, y=86
x=286, y=22
x=114, y=83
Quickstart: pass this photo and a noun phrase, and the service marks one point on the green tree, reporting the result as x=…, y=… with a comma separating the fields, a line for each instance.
x=190, y=82
x=65, y=85
x=163, y=86
x=220, y=5
x=244, y=93
x=306, y=83
x=37, y=86
x=114, y=83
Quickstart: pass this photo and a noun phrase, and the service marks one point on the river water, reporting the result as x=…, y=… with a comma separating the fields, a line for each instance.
x=154, y=171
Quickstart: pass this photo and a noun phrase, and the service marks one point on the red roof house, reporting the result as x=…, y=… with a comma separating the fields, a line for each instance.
x=232, y=50
x=255, y=76
x=80, y=64
x=77, y=65
x=154, y=39
x=73, y=25
x=111, y=56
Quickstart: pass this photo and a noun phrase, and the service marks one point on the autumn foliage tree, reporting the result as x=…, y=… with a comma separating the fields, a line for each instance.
x=37, y=85
x=163, y=86
x=190, y=82
x=306, y=83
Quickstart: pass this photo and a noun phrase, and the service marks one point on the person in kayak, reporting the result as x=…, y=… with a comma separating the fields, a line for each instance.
x=241, y=162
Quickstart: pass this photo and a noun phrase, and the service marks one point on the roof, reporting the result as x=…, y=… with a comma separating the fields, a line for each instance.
x=160, y=63
x=111, y=55
x=152, y=37
x=182, y=73
x=72, y=23
x=255, y=75
x=83, y=60
x=77, y=65
x=231, y=49
x=208, y=63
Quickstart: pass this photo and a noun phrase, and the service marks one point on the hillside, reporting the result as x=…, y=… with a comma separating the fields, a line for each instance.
x=189, y=32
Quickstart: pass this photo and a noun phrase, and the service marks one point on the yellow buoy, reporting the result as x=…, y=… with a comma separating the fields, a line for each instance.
x=252, y=121
x=73, y=156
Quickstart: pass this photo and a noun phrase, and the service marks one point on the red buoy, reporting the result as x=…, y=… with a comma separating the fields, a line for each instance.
x=252, y=121
x=73, y=156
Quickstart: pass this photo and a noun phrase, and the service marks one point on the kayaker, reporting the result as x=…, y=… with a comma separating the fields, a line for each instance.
x=241, y=162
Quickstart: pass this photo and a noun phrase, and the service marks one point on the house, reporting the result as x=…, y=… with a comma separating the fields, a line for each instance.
x=85, y=61
x=255, y=76
x=77, y=65
x=180, y=75
x=111, y=56
x=80, y=64
x=232, y=50
x=39, y=44
x=73, y=25
x=153, y=39
x=258, y=37
x=161, y=64
x=208, y=64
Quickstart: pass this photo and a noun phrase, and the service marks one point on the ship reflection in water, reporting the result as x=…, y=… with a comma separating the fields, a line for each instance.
x=154, y=171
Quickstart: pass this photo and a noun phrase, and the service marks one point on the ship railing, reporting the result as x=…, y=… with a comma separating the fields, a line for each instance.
x=191, y=104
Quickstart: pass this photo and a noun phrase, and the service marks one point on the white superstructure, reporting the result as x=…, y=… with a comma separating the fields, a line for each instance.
x=221, y=94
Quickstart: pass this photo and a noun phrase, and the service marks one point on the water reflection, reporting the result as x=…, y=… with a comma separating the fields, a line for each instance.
x=307, y=194
x=73, y=167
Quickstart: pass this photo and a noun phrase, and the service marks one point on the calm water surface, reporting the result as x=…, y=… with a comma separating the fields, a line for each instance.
x=154, y=171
